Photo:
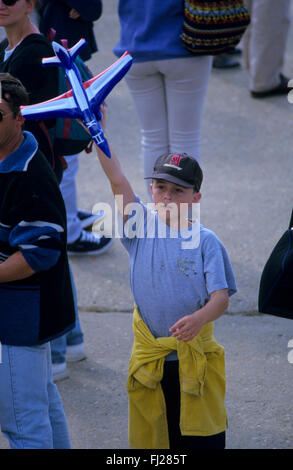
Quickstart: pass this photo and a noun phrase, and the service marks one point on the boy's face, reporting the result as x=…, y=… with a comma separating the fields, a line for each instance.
x=166, y=193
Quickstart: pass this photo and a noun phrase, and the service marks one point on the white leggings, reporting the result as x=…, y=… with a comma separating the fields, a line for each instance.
x=169, y=98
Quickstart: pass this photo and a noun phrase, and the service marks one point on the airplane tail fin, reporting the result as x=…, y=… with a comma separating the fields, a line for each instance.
x=74, y=50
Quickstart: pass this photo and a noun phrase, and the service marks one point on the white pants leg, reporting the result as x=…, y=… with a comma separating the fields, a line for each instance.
x=264, y=42
x=169, y=98
x=69, y=193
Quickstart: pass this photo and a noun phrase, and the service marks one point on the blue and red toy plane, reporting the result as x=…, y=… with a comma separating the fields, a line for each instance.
x=83, y=101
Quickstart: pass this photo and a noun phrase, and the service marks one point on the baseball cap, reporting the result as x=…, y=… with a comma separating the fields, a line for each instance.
x=179, y=169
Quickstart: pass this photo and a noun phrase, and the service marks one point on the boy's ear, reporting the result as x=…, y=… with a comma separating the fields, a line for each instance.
x=197, y=197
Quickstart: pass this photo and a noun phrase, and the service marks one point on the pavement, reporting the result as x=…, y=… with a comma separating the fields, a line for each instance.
x=246, y=156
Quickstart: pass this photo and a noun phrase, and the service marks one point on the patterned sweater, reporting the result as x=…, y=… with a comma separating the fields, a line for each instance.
x=33, y=220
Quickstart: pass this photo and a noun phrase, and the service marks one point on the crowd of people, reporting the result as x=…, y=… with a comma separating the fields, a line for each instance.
x=176, y=359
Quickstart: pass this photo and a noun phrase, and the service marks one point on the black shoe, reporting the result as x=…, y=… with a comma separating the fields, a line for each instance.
x=224, y=61
x=87, y=218
x=281, y=89
x=89, y=244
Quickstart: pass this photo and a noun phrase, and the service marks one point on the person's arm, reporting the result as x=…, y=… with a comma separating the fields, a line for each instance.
x=15, y=268
x=37, y=219
x=120, y=185
x=189, y=326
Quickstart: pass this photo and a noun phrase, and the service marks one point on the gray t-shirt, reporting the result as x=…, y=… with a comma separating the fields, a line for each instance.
x=167, y=280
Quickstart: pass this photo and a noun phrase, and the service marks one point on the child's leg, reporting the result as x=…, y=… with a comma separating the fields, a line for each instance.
x=171, y=389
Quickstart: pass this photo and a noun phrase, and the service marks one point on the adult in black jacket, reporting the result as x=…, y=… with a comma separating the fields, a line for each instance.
x=36, y=300
x=72, y=20
x=21, y=55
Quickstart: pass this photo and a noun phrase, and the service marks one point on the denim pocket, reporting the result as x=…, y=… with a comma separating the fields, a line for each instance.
x=19, y=315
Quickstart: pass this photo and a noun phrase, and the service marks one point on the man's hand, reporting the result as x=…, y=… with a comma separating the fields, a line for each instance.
x=15, y=268
x=73, y=14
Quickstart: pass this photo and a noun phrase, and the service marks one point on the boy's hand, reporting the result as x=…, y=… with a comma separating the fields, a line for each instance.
x=187, y=327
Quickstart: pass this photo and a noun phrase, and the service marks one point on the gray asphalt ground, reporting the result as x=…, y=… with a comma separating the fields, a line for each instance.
x=246, y=155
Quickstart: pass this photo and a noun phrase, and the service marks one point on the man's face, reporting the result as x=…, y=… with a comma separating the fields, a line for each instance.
x=10, y=127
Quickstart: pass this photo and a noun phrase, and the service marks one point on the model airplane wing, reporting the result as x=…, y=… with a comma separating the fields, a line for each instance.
x=97, y=88
x=63, y=106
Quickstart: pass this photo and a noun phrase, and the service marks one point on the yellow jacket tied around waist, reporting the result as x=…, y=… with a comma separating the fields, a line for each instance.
x=202, y=386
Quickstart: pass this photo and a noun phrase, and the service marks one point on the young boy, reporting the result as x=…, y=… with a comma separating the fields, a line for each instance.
x=176, y=382
x=36, y=301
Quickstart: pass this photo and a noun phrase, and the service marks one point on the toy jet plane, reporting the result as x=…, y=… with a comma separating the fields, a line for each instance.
x=84, y=99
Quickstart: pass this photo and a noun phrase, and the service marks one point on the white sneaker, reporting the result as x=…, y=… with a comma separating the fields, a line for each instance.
x=75, y=353
x=59, y=371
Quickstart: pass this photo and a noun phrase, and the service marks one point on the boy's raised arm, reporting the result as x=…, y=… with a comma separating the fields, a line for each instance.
x=112, y=169
x=118, y=181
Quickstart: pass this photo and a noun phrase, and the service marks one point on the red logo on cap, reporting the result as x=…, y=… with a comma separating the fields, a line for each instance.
x=175, y=160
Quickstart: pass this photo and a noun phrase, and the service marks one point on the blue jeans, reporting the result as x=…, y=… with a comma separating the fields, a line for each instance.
x=69, y=193
x=59, y=345
x=31, y=411
x=75, y=336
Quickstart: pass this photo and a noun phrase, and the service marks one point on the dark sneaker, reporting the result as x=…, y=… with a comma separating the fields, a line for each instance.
x=281, y=89
x=87, y=218
x=224, y=61
x=89, y=244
